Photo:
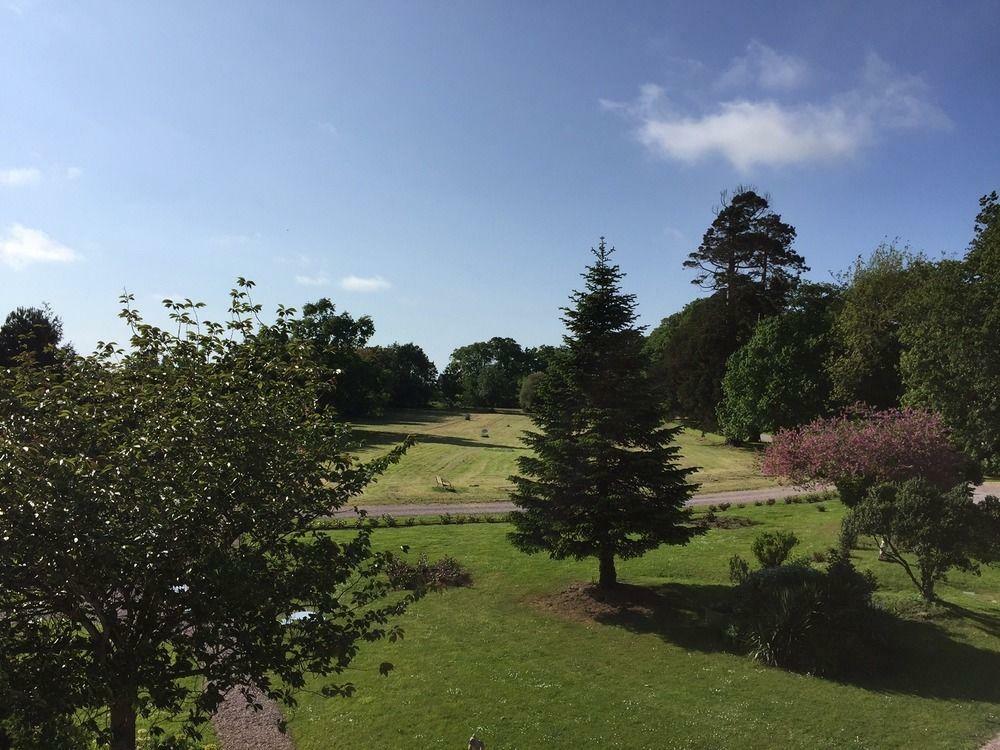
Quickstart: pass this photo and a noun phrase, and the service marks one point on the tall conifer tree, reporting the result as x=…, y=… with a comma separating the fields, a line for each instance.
x=603, y=480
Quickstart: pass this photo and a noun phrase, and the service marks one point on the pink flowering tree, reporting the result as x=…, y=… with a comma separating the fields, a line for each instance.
x=864, y=447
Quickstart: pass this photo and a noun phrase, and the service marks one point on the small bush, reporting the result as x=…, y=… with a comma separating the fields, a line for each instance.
x=821, y=508
x=741, y=505
x=771, y=501
x=712, y=508
x=739, y=570
x=387, y=520
x=725, y=506
x=820, y=622
x=819, y=556
x=410, y=521
x=443, y=573
x=788, y=501
x=848, y=538
x=758, y=503
x=771, y=548
x=447, y=518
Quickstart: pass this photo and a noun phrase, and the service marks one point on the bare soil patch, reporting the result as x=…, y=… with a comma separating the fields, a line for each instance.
x=588, y=602
x=240, y=727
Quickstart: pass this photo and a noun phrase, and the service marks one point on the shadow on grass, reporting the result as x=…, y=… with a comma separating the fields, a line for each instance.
x=923, y=658
x=384, y=438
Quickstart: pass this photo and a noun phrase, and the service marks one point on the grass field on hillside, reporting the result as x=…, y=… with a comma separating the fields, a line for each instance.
x=477, y=467
x=489, y=659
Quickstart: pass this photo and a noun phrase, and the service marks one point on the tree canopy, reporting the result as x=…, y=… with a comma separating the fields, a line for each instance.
x=488, y=373
x=155, y=513
x=778, y=379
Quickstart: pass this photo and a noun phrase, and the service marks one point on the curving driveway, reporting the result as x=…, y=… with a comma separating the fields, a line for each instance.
x=505, y=506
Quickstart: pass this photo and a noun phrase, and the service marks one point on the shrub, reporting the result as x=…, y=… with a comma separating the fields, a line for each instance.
x=758, y=503
x=800, y=618
x=771, y=548
x=771, y=501
x=712, y=508
x=739, y=570
x=387, y=520
x=410, y=521
x=821, y=508
x=943, y=530
x=447, y=518
x=725, y=506
x=443, y=573
x=741, y=505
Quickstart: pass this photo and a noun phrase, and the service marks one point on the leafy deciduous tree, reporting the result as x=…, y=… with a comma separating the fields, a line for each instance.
x=943, y=529
x=155, y=513
x=777, y=379
x=951, y=361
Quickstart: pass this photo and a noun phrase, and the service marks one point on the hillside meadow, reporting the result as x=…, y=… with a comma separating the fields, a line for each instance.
x=477, y=465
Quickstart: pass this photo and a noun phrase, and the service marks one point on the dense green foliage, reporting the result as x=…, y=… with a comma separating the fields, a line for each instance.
x=943, y=529
x=778, y=379
x=688, y=352
x=951, y=361
x=407, y=377
x=604, y=479
x=155, y=506
x=864, y=364
x=488, y=373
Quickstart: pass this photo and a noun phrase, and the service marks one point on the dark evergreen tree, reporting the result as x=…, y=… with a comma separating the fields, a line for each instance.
x=30, y=331
x=747, y=255
x=603, y=478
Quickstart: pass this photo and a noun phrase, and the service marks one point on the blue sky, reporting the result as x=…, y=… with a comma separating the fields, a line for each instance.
x=445, y=167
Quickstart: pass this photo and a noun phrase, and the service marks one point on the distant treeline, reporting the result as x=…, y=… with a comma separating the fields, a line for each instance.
x=763, y=350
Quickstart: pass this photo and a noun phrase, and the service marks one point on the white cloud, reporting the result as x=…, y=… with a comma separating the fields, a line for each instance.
x=19, y=176
x=22, y=246
x=750, y=133
x=764, y=67
x=319, y=280
x=74, y=173
x=364, y=284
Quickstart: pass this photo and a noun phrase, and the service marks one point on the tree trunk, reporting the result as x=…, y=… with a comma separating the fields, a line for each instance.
x=609, y=576
x=123, y=721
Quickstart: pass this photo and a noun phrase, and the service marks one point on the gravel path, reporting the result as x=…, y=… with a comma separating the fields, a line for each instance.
x=993, y=744
x=239, y=727
x=708, y=498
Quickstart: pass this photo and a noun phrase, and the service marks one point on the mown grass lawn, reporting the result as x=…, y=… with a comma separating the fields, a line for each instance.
x=488, y=659
x=453, y=448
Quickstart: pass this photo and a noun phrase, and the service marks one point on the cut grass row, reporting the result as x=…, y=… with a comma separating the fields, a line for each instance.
x=477, y=467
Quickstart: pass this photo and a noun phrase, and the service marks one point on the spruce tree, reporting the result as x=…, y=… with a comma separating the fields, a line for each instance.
x=603, y=478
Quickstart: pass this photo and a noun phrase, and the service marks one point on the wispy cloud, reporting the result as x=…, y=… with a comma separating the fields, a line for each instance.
x=21, y=246
x=765, y=132
x=764, y=67
x=364, y=283
x=20, y=176
x=73, y=173
x=318, y=280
